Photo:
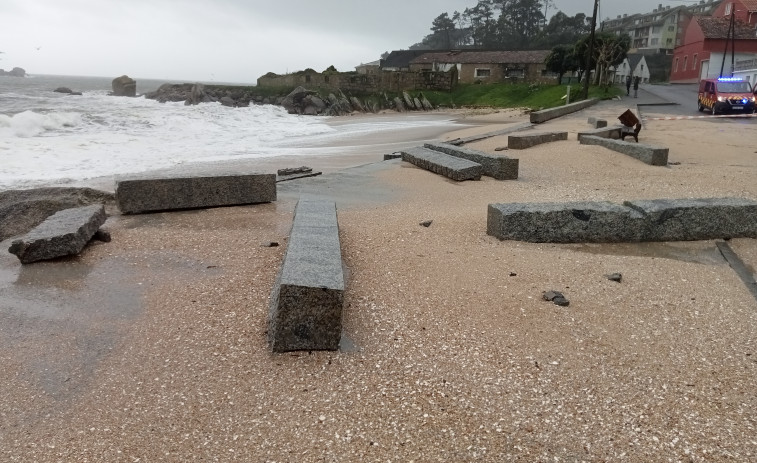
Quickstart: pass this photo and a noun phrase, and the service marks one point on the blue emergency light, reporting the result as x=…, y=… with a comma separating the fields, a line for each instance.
x=729, y=79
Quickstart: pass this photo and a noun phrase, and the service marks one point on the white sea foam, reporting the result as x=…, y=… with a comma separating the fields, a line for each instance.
x=58, y=137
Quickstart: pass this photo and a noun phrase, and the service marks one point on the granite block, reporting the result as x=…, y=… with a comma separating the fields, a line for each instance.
x=572, y=222
x=457, y=169
x=697, y=219
x=64, y=233
x=308, y=296
x=522, y=141
x=648, y=154
x=173, y=191
x=498, y=167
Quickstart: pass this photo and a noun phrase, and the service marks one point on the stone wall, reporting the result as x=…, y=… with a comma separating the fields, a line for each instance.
x=394, y=81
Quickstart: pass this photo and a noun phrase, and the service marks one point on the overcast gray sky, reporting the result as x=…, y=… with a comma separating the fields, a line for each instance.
x=226, y=40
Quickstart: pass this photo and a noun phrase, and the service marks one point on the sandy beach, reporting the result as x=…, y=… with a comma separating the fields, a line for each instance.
x=152, y=347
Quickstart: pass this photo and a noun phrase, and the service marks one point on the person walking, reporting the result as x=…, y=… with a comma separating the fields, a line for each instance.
x=636, y=86
x=628, y=85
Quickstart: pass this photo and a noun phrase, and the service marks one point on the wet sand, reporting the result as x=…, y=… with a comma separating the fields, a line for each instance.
x=152, y=347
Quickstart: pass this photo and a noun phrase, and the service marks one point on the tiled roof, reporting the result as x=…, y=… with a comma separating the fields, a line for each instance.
x=751, y=5
x=717, y=28
x=483, y=57
x=401, y=58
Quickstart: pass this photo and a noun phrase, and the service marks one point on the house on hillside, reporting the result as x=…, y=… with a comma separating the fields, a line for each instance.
x=659, y=31
x=701, y=56
x=399, y=60
x=634, y=65
x=369, y=68
x=485, y=66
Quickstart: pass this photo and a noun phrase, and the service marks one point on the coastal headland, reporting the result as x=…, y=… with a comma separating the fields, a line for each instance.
x=152, y=347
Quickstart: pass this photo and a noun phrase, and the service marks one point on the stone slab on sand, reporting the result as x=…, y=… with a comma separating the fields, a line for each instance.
x=308, y=296
x=64, y=233
x=457, y=169
x=175, y=191
x=496, y=166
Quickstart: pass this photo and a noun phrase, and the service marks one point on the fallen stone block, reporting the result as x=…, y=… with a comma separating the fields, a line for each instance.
x=498, y=167
x=652, y=155
x=457, y=169
x=604, y=132
x=572, y=222
x=171, y=191
x=545, y=115
x=64, y=233
x=697, y=219
x=527, y=140
x=307, y=299
x=597, y=123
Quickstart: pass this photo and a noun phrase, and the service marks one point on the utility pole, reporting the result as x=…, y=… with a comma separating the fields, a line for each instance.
x=730, y=36
x=587, y=71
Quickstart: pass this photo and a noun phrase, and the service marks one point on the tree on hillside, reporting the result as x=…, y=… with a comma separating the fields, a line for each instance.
x=609, y=50
x=564, y=30
x=562, y=59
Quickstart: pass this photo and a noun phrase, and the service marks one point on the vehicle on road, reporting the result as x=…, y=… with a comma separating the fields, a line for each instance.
x=725, y=95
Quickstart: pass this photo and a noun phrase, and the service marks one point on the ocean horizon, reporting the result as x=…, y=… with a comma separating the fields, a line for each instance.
x=56, y=138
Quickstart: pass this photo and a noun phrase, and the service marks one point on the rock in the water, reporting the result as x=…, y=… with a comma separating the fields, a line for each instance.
x=63, y=90
x=124, y=86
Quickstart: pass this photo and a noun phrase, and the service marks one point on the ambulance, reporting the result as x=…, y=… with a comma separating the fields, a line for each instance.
x=726, y=94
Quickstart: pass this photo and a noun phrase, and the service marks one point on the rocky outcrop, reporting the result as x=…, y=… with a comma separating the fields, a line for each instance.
x=300, y=101
x=124, y=86
x=15, y=72
x=66, y=90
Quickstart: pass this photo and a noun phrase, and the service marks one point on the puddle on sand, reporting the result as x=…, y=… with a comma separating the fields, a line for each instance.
x=347, y=345
x=686, y=251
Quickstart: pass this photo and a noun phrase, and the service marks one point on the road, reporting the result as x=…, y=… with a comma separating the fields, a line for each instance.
x=683, y=103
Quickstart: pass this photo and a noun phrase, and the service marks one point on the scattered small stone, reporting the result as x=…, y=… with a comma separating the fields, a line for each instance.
x=102, y=235
x=501, y=148
x=513, y=274
x=270, y=244
x=675, y=163
x=615, y=277
x=557, y=297
x=427, y=223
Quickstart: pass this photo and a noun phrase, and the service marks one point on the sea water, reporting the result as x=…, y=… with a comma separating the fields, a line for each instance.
x=55, y=138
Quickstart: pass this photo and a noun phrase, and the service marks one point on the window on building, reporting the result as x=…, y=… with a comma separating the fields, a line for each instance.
x=675, y=66
x=728, y=9
x=694, y=62
x=671, y=28
x=515, y=73
x=483, y=72
x=654, y=41
x=685, y=61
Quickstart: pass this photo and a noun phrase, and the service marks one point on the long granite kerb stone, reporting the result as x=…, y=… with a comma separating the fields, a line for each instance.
x=690, y=219
x=182, y=189
x=648, y=154
x=571, y=222
x=497, y=167
x=64, y=233
x=308, y=296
